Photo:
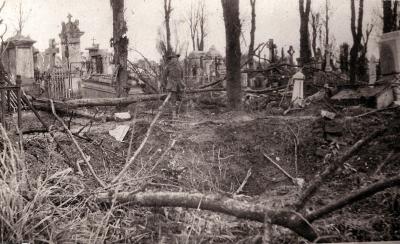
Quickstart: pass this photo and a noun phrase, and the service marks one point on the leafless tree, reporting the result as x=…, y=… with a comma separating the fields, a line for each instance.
x=202, y=32
x=2, y=46
x=167, y=16
x=390, y=20
x=305, y=50
x=357, y=34
x=252, y=33
x=233, y=52
x=22, y=18
x=120, y=44
x=316, y=26
x=193, y=22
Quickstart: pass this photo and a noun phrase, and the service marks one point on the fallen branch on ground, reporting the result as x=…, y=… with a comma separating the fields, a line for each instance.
x=128, y=164
x=78, y=147
x=240, y=189
x=354, y=197
x=325, y=175
x=215, y=203
x=376, y=111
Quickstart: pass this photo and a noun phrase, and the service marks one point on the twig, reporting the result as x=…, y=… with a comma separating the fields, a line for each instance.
x=294, y=181
x=240, y=189
x=384, y=162
x=131, y=138
x=162, y=156
x=119, y=176
x=296, y=143
x=77, y=146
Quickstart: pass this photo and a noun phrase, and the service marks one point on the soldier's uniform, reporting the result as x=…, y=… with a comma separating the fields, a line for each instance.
x=174, y=81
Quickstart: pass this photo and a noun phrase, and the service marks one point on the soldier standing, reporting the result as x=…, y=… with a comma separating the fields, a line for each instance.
x=174, y=81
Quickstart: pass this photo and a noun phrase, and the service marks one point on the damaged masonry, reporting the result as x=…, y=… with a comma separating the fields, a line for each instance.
x=199, y=121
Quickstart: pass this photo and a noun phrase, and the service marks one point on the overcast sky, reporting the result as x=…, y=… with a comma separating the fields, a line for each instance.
x=277, y=19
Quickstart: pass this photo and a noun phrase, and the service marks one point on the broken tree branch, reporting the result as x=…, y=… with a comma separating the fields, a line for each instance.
x=240, y=189
x=325, y=175
x=294, y=181
x=128, y=164
x=215, y=203
x=354, y=197
x=77, y=146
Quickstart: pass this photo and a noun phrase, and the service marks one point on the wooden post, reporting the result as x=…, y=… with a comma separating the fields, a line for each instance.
x=19, y=93
x=3, y=102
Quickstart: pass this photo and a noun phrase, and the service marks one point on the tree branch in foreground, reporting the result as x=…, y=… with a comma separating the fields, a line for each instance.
x=216, y=203
x=331, y=169
x=354, y=197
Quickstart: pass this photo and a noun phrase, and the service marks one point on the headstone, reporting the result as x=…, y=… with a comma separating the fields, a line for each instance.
x=298, y=88
x=389, y=48
x=328, y=67
x=372, y=70
x=51, y=54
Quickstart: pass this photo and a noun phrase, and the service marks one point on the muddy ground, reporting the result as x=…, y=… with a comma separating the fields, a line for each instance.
x=214, y=150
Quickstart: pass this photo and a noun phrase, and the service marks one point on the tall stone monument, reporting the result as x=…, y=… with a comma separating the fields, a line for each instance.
x=389, y=48
x=71, y=44
x=18, y=58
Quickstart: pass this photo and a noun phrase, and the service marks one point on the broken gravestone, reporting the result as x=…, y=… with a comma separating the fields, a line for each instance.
x=122, y=116
x=119, y=132
x=327, y=114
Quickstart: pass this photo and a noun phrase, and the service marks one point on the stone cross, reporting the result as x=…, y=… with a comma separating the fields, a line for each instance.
x=69, y=17
x=93, y=40
x=271, y=46
x=291, y=53
x=51, y=52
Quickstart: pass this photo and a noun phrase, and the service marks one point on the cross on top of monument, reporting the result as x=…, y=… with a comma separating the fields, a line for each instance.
x=69, y=17
x=291, y=51
x=271, y=44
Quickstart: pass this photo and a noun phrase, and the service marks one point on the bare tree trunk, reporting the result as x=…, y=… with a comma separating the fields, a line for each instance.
x=120, y=44
x=305, y=50
x=357, y=35
x=167, y=16
x=233, y=53
x=314, y=26
x=326, y=33
x=252, y=33
x=193, y=21
x=202, y=25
